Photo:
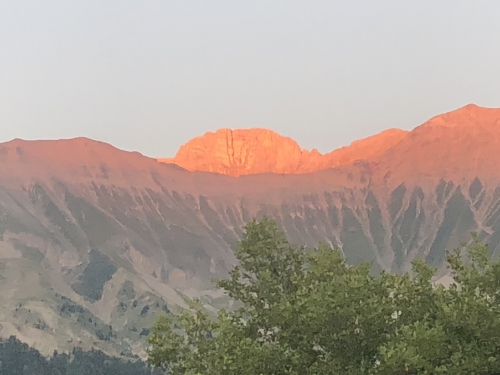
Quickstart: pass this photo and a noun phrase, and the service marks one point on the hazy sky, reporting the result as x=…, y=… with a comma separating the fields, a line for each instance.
x=149, y=75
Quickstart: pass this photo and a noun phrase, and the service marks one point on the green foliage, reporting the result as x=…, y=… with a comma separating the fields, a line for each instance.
x=17, y=358
x=306, y=311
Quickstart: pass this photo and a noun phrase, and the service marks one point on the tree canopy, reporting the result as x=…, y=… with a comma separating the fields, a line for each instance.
x=17, y=358
x=306, y=311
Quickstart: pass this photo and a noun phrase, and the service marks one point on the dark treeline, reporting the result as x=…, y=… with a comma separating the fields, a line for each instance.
x=17, y=358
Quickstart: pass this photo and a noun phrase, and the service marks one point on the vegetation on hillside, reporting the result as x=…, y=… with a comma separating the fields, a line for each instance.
x=306, y=311
x=17, y=358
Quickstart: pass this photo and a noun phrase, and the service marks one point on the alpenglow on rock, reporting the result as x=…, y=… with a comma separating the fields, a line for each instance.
x=251, y=151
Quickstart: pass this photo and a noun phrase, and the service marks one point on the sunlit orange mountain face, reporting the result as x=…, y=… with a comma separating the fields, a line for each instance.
x=251, y=151
x=88, y=231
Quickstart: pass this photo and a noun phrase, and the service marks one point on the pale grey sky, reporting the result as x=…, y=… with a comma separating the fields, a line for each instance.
x=149, y=75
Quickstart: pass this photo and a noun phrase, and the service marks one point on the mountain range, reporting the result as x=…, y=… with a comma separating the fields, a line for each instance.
x=95, y=242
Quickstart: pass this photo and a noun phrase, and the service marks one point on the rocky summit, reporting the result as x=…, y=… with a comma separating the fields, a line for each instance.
x=251, y=151
x=95, y=242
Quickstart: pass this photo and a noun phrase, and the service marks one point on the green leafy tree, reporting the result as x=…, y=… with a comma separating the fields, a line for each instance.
x=306, y=311
x=460, y=334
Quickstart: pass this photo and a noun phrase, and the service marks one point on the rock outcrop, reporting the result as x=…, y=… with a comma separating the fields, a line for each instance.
x=240, y=152
x=251, y=151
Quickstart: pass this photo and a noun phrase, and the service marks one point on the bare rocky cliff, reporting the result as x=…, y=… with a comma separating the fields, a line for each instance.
x=251, y=151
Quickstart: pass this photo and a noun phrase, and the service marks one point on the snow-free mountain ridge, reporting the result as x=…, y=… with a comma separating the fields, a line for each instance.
x=251, y=151
x=95, y=242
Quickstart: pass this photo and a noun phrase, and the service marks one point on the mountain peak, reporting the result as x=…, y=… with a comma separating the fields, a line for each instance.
x=463, y=143
x=468, y=115
x=82, y=158
x=471, y=107
x=78, y=151
x=238, y=152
